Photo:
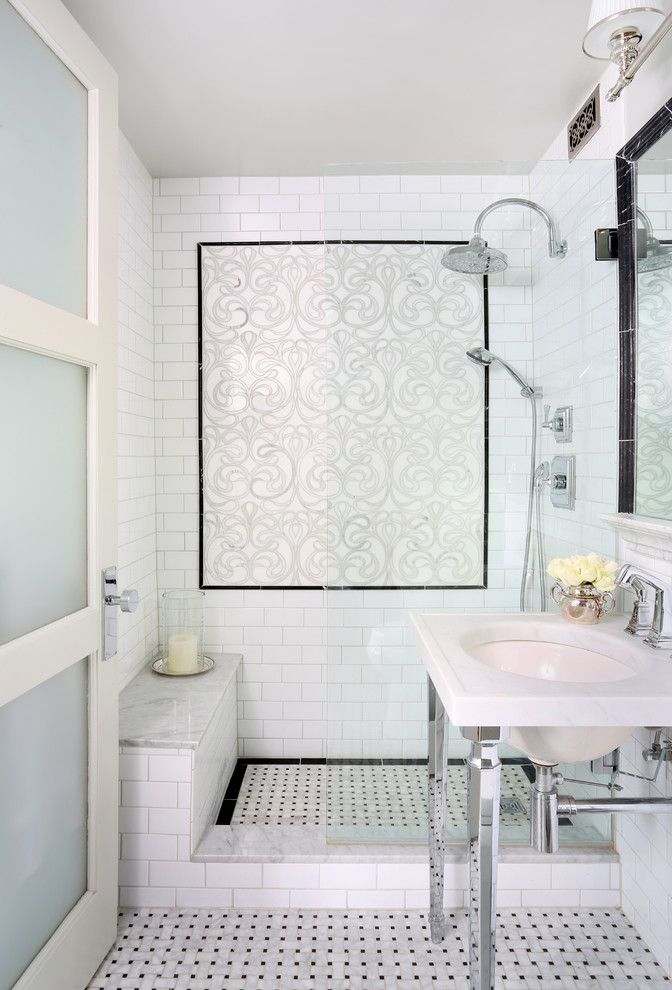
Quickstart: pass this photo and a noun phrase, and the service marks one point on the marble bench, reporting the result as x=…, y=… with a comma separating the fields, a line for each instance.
x=178, y=748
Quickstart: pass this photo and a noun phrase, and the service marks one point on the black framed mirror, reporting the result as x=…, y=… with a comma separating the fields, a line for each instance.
x=644, y=207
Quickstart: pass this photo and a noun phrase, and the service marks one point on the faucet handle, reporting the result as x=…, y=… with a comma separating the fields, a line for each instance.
x=641, y=620
x=659, y=634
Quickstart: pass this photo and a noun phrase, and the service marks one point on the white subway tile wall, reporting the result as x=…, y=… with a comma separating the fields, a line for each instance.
x=157, y=869
x=136, y=467
x=375, y=705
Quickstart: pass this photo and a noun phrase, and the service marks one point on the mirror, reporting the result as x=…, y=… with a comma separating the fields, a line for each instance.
x=644, y=168
x=653, y=456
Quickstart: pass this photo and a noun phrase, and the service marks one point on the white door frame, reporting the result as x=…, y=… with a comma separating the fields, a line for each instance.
x=75, y=950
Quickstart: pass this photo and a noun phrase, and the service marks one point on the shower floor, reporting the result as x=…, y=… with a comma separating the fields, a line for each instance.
x=359, y=794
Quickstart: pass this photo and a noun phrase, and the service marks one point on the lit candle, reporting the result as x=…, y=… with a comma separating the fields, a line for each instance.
x=182, y=653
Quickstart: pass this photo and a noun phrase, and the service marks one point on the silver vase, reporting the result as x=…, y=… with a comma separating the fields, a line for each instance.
x=582, y=603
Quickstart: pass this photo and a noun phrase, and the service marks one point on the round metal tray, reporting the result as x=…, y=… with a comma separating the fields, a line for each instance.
x=160, y=666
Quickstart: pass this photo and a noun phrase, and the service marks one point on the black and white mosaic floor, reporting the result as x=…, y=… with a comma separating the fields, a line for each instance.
x=356, y=794
x=361, y=950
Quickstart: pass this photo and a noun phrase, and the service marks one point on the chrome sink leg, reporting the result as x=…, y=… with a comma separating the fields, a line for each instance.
x=483, y=790
x=436, y=805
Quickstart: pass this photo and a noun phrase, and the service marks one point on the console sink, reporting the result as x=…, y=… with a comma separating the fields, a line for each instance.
x=567, y=693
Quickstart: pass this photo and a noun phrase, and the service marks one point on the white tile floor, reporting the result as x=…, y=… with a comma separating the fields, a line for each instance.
x=355, y=795
x=314, y=950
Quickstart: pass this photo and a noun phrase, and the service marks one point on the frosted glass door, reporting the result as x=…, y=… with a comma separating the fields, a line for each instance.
x=43, y=496
x=58, y=695
x=43, y=847
x=43, y=169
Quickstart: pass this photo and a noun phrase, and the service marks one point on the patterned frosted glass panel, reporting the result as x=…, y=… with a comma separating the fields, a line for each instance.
x=343, y=428
x=406, y=419
x=43, y=169
x=43, y=827
x=43, y=492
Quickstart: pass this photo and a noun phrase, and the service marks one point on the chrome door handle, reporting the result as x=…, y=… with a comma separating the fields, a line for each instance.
x=127, y=601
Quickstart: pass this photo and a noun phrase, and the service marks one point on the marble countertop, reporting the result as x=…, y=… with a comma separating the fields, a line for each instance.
x=474, y=693
x=174, y=712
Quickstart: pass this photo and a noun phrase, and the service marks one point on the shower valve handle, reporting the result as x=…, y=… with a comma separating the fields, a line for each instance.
x=550, y=422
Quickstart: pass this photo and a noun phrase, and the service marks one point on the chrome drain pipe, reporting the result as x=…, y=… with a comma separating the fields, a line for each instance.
x=544, y=810
x=568, y=806
x=546, y=806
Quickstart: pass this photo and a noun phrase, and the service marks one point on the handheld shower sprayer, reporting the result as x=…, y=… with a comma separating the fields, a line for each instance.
x=480, y=355
x=484, y=357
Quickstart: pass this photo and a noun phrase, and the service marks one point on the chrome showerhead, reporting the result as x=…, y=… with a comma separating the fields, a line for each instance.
x=475, y=258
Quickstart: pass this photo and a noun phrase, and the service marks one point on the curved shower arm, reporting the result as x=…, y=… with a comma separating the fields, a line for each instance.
x=557, y=248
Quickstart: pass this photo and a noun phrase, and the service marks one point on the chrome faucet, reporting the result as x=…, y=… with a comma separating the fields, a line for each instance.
x=653, y=621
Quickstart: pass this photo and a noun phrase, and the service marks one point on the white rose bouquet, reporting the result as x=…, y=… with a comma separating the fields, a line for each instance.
x=600, y=572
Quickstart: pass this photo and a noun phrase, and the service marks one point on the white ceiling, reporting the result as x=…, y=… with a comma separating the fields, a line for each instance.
x=291, y=87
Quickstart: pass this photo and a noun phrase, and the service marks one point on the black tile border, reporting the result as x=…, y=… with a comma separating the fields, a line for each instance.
x=626, y=203
x=486, y=432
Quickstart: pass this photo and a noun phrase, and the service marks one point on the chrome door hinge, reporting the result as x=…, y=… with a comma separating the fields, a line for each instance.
x=606, y=243
x=127, y=601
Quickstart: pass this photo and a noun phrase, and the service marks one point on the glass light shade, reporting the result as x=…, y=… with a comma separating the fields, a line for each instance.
x=607, y=16
x=182, y=630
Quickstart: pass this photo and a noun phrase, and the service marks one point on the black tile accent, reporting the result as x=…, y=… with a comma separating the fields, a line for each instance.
x=235, y=783
x=272, y=761
x=354, y=763
x=226, y=812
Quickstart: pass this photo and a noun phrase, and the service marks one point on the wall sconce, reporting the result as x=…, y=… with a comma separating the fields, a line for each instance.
x=624, y=32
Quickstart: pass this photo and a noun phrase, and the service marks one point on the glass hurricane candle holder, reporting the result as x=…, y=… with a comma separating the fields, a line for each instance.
x=182, y=639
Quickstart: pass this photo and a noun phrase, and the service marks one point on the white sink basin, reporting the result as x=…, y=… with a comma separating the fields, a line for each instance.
x=556, y=662
x=567, y=693
x=550, y=661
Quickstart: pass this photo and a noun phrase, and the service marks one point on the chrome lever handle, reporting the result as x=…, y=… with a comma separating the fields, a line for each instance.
x=127, y=600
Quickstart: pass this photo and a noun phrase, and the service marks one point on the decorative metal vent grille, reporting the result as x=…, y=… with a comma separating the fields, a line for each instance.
x=586, y=122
